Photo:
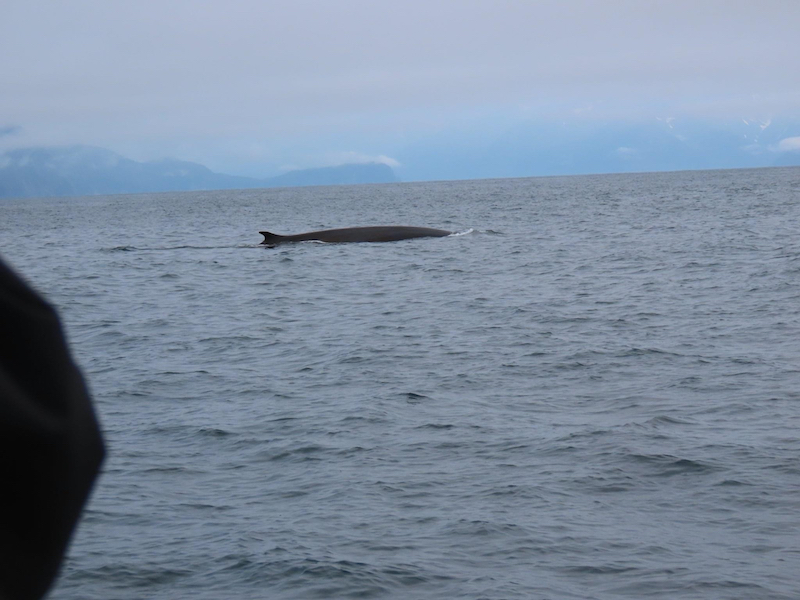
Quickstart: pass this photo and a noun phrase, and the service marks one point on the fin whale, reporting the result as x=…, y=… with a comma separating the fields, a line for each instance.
x=384, y=233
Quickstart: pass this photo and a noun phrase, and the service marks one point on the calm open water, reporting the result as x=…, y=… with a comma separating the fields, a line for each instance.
x=593, y=393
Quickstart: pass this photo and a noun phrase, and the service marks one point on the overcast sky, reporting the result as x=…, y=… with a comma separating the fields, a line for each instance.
x=257, y=86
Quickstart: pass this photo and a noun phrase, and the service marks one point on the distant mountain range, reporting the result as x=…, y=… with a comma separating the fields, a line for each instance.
x=586, y=145
x=87, y=170
x=527, y=148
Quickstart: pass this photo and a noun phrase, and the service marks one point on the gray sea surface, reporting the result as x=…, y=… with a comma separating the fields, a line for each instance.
x=591, y=392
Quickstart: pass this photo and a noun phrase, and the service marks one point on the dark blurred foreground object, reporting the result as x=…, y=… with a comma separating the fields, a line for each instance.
x=50, y=444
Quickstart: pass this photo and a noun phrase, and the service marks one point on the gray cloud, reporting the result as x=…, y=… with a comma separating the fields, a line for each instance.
x=9, y=130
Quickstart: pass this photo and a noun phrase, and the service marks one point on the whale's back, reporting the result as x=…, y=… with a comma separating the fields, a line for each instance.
x=383, y=233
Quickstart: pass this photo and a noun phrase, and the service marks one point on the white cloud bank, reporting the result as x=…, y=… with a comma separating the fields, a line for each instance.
x=791, y=144
x=349, y=158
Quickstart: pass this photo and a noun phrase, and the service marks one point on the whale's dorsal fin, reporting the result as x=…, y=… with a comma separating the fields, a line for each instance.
x=270, y=239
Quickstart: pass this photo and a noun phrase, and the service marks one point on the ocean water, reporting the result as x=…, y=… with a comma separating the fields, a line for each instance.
x=591, y=392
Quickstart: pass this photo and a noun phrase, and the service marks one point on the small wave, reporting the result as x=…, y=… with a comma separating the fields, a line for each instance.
x=136, y=576
x=191, y=247
x=646, y=352
x=342, y=578
x=666, y=420
x=213, y=432
x=119, y=249
x=732, y=483
x=465, y=232
x=672, y=465
x=598, y=570
x=413, y=398
x=183, y=247
x=303, y=453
